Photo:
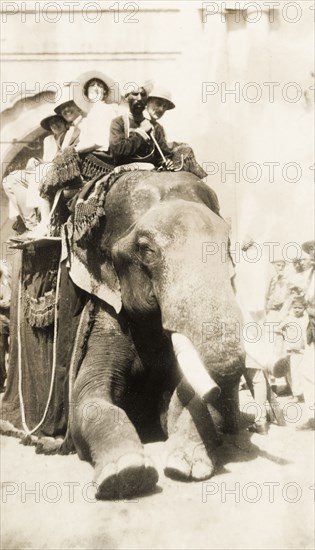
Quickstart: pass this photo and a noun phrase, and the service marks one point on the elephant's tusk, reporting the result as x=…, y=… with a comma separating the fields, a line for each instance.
x=194, y=369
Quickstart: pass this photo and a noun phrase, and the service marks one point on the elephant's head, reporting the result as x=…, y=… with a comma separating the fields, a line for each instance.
x=166, y=242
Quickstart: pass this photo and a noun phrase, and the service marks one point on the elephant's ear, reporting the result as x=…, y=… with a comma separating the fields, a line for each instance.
x=95, y=275
x=90, y=267
x=209, y=198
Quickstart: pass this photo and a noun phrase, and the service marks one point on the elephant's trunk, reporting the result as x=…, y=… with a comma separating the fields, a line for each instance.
x=193, y=368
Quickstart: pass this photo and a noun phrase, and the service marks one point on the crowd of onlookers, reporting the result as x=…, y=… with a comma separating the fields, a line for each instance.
x=283, y=360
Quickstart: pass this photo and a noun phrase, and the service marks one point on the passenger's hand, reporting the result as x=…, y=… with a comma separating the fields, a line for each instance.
x=32, y=163
x=146, y=126
x=169, y=165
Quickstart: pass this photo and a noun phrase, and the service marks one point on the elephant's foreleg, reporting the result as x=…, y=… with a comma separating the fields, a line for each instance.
x=101, y=430
x=228, y=405
x=192, y=440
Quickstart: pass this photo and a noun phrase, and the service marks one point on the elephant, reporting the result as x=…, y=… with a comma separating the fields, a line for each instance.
x=158, y=355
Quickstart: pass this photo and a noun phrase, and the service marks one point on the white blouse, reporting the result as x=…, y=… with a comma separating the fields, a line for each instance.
x=94, y=128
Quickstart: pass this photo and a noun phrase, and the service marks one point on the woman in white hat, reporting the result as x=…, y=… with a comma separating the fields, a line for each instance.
x=98, y=96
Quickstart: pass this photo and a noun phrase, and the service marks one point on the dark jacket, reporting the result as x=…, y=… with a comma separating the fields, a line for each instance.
x=128, y=143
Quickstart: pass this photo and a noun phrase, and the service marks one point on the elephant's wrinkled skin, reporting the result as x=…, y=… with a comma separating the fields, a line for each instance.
x=156, y=231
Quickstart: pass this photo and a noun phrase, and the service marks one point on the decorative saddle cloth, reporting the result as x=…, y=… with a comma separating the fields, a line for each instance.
x=39, y=276
x=95, y=164
x=78, y=233
x=184, y=159
x=64, y=169
x=40, y=312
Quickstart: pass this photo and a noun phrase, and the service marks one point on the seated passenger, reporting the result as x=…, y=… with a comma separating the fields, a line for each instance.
x=21, y=186
x=159, y=101
x=98, y=97
x=73, y=114
x=89, y=111
x=57, y=126
x=53, y=143
x=133, y=138
x=48, y=177
x=63, y=173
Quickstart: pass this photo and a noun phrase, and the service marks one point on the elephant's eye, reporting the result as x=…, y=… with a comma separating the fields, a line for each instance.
x=145, y=252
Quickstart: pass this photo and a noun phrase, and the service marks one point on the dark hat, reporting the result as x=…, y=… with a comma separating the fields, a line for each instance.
x=61, y=106
x=45, y=123
x=307, y=246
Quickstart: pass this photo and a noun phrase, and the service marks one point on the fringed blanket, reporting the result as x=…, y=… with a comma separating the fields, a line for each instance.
x=64, y=169
x=88, y=265
x=184, y=159
x=37, y=347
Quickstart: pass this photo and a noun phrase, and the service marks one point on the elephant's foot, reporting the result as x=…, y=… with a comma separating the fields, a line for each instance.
x=190, y=462
x=29, y=440
x=6, y=428
x=132, y=475
x=67, y=446
x=48, y=445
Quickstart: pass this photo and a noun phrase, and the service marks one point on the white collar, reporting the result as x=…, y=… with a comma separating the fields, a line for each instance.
x=77, y=120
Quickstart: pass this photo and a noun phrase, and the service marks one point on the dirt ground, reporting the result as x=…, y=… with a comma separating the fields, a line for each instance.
x=262, y=497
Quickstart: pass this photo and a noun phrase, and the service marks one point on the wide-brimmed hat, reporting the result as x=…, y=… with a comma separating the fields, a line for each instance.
x=61, y=106
x=66, y=98
x=78, y=87
x=46, y=122
x=148, y=86
x=162, y=93
x=307, y=246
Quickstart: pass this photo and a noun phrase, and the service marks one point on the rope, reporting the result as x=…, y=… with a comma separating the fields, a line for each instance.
x=158, y=147
x=53, y=371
